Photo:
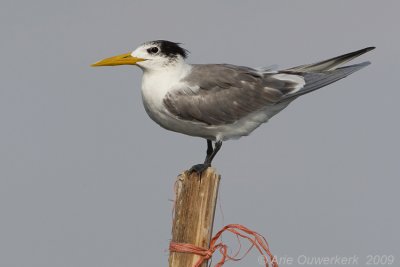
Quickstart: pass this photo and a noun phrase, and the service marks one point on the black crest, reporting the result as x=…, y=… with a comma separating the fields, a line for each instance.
x=171, y=49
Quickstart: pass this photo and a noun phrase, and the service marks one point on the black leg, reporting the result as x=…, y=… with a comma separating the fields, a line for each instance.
x=209, y=147
x=209, y=159
x=211, y=152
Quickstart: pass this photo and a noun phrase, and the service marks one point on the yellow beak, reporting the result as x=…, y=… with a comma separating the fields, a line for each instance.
x=124, y=59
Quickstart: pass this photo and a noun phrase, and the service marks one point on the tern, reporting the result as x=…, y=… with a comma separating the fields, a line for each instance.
x=219, y=102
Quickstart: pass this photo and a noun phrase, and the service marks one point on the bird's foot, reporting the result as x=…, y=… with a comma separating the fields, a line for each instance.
x=199, y=168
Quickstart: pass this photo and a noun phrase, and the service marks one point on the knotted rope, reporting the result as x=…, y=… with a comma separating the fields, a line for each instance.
x=240, y=231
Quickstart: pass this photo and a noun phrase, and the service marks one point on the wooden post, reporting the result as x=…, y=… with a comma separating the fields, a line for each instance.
x=195, y=202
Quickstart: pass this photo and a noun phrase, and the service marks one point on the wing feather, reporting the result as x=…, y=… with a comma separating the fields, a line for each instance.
x=227, y=93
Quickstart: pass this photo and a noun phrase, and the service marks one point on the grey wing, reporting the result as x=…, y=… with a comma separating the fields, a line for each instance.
x=317, y=80
x=332, y=63
x=222, y=94
x=323, y=73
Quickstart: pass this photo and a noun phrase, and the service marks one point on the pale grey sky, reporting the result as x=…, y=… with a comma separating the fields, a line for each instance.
x=86, y=176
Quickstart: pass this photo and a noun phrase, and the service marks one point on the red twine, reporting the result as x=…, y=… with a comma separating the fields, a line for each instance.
x=256, y=240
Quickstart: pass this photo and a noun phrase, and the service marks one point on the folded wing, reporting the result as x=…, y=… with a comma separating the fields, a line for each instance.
x=220, y=94
x=223, y=94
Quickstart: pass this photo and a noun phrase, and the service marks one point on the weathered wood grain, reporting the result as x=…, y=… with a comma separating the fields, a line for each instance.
x=195, y=203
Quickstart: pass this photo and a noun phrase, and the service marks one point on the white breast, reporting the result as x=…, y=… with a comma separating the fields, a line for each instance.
x=155, y=85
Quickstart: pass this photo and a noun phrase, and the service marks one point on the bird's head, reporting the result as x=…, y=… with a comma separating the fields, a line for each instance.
x=149, y=56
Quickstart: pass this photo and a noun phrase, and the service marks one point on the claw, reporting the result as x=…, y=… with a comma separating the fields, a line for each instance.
x=199, y=168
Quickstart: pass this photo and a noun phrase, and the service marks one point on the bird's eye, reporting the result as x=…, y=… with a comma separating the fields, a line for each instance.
x=152, y=50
